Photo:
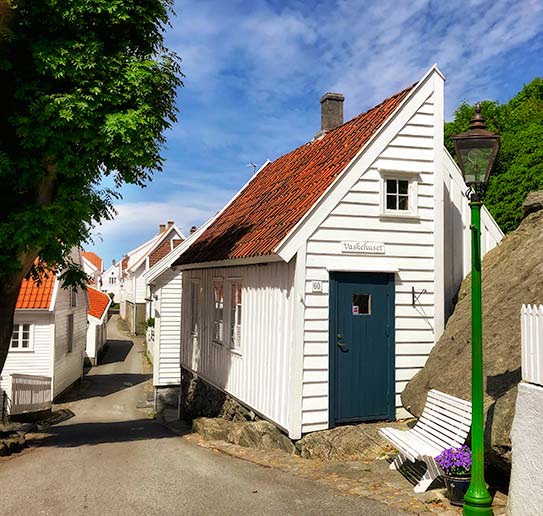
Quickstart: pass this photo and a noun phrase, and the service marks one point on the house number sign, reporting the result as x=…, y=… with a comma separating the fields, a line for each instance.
x=363, y=247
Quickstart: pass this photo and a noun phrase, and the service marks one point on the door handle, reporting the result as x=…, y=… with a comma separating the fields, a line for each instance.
x=341, y=345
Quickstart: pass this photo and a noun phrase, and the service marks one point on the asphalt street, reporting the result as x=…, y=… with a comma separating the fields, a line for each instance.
x=111, y=459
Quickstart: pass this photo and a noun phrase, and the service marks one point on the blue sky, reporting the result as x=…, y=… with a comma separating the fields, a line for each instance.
x=255, y=71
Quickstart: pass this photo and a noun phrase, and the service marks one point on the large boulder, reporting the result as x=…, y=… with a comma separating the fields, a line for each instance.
x=261, y=435
x=512, y=275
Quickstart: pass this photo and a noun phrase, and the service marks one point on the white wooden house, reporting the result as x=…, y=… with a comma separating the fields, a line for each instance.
x=164, y=285
x=99, y=304
x=49, y=335
x=111, y=281
x=133, y=267
x=320, y=289
x=93, y=266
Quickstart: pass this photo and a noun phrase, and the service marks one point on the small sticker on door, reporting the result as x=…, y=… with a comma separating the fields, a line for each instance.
x=356, y=310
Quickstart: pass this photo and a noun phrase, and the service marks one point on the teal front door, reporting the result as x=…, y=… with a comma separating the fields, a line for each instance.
x=361, y=347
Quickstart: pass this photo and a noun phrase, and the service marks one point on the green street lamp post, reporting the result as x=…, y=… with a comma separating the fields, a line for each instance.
x=476, y=150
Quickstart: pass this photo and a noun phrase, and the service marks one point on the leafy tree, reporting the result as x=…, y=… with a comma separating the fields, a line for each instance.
x=519, y=165
x=87, y=90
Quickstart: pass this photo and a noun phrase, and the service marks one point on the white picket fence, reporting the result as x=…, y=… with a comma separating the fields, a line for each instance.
x=531, y=325
x=29, y=393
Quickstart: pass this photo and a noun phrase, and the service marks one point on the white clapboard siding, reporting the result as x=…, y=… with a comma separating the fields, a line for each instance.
x=409, y=248
x=36, y=361
x=531, y=325
x=167, y=364
x=259, y=374
x=141, y=287
x=68, y=367
x=96, y=337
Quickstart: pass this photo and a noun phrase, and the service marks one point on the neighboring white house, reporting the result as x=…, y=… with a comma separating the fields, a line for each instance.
x=111, y=281
x=99, y=303
x=49, y=334
x=134, y=265
x=164, y=340
x=93, y=266
x=319, y=291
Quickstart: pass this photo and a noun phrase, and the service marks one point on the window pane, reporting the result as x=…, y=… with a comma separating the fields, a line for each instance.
x=403, y=187
x=392, y=186
x=361, y=304
x=403, y=202
x=15, y=337
x=392, y=202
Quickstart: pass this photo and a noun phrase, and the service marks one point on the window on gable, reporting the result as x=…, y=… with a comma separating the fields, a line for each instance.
x=112, y=280
x=73, y=298
x=21, y=337
x=218, y=311
x=235, y=315
x=397, y=195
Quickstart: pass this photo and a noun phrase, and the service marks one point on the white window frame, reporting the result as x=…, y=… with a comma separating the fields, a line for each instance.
x=412, y=179
x=19, y=333
x=195, y=318
x=218, y=331
x=235, y=347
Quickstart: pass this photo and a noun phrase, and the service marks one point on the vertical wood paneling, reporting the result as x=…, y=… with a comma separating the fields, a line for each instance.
x=531, y=324
x=257, y=375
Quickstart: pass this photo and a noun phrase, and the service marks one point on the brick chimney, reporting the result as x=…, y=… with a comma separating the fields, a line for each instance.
x=193, y=229
x=161, y=227
x=170, y=223
x=331, y=111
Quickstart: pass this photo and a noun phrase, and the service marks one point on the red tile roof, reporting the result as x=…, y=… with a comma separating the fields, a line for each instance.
x=284, y=191
x=32, y=296
x=162, y=250
x=94, y=259
x=98, y=302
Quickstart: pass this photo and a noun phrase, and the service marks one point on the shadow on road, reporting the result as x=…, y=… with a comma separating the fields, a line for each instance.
x=117, y=351
x=90, y=434
x=102, y=385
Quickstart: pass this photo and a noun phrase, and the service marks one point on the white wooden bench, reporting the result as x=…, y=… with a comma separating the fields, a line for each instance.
x=445, y=423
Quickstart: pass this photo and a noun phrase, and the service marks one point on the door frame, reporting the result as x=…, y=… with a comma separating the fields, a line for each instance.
x=391, y=344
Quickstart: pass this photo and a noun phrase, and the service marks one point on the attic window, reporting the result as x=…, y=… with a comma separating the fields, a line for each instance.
x=399, y=194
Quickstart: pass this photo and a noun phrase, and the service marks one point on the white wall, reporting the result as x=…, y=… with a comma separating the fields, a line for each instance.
x=525, y=491
x=259, y=374
x=38, y=361
x=69, y=366
x=167, y=345
x=107, y=287
x=96, y=338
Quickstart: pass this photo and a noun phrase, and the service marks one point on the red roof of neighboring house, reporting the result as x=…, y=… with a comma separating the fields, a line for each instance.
x=94, y=259
x=279, y=196
x=98, y=302
x=32, y=296
x=162, y=250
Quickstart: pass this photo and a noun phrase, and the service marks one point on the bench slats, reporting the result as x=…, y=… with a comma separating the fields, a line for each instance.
x=438, y=433
x=452, y=412
x=458, y=404
x=439, y=442
x=441, y=430
x=461, y=426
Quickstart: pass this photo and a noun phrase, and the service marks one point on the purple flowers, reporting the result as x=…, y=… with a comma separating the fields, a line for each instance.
x=455, y=461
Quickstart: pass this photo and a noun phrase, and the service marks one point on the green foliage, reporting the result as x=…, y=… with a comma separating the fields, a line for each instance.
x=150, y=323
x=87, y=91
x=519, y=166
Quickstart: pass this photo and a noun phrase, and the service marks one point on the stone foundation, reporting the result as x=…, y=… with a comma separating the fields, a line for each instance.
x=166, y=397
x=200, y=399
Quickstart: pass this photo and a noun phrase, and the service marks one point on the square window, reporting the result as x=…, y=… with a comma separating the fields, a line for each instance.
x=21, y=337
x=399, y=194
x=361, y=304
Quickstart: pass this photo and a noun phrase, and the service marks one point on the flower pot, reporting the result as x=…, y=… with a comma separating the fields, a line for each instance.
x=456, y=488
